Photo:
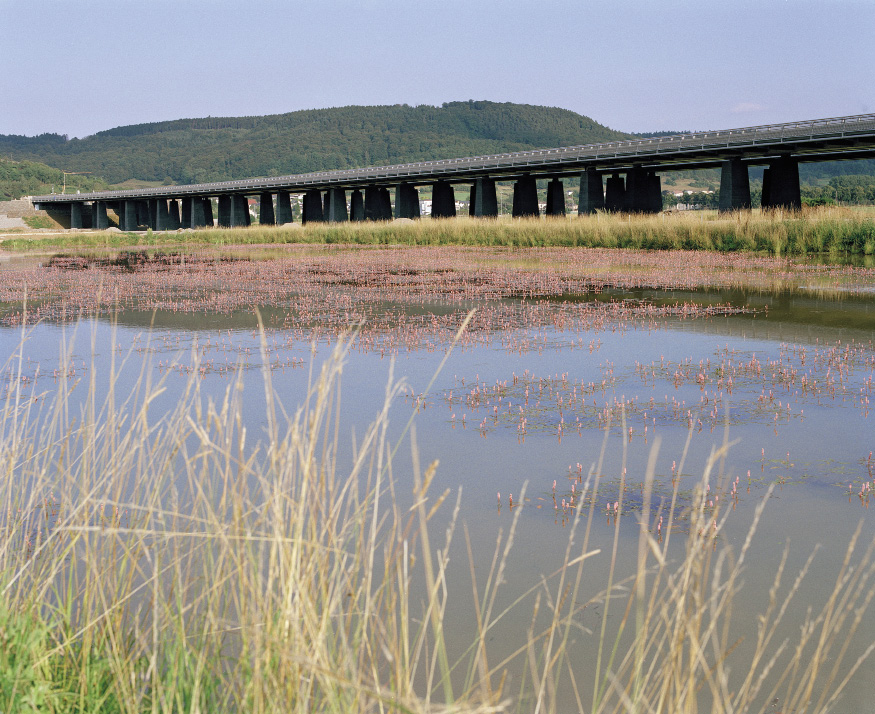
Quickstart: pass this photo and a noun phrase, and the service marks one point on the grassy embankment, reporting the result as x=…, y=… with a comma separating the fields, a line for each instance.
x=813, y=231
x=160, y=563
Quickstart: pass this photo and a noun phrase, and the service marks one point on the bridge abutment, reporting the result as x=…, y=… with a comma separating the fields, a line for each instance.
x=525, y=198
x=734, y=186
x=592, y=196
x=443, y=200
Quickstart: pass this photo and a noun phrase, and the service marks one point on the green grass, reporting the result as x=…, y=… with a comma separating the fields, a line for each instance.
x=812, y=231
x=162, y=562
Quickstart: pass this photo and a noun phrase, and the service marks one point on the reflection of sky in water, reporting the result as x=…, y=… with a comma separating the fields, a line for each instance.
x=828, y=438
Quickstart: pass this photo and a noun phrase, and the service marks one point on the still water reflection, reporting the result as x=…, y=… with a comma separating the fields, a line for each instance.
x=523, y=412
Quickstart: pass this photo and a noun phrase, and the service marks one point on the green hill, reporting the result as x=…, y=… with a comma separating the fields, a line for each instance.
x=29, y=178
x=222, y=148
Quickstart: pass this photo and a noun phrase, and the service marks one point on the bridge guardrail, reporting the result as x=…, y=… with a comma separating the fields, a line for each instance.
x=678, y=143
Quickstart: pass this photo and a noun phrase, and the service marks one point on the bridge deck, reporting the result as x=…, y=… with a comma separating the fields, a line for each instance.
x=813, y=140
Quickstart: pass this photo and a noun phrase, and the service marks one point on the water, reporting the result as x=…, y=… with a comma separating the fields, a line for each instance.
x=525, y=402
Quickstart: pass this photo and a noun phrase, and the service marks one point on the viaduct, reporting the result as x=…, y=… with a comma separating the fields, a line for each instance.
x=614, y=176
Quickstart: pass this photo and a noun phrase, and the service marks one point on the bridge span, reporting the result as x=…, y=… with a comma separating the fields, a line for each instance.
x=614, y=176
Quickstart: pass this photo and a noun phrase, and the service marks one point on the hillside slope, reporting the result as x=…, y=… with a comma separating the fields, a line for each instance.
x=222, y=148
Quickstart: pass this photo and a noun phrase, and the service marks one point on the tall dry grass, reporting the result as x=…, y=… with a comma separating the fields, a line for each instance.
x=812, y=231
x=158, y=560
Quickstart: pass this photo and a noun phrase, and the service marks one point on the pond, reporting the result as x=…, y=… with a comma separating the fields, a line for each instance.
x=577, y=369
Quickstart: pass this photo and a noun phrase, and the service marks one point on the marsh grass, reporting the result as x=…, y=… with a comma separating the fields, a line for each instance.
x=188, y=569
x=812, y=231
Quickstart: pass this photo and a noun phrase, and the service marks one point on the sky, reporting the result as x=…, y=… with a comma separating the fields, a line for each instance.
x=80, y=66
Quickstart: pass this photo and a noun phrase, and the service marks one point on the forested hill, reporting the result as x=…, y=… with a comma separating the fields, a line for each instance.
x=222, y=148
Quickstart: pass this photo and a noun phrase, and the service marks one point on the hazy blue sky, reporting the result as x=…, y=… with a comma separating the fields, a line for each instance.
x=77, y=67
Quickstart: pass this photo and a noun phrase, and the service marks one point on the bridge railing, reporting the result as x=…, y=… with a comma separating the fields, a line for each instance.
x=767, y=134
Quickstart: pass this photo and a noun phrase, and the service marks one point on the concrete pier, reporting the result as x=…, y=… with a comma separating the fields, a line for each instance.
x=265, y=209
x=592, y=195
x=208, y=212
x=357, y=206
x=185, y=216
x=336, y=202
x=162, y=215
x=143, y=214
x=173, y=214
x=781, y=185
x=406, y=201
x=372, y=203
x=99, y=219
x=443, y=200
x=484, y=200
x=75, y=215
x=615, y=193
x=239, y=211
x=654, y=193
x=128, y=215
x=636, y=188
x=385, y=205
x=555, y=198
x=196, y=217
x=225, y=211
x=734, y=186
x=525, y=198
x=284, y=208
x=312, y=207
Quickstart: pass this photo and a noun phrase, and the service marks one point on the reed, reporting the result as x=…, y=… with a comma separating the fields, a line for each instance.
x=159, y=561
x=813, y=231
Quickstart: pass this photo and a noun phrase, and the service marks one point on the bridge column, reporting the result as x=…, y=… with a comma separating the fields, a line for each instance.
x=734, y=186
x=406, y=201
x=356, y=206
x=225, y=211
x=336, y=202
x=385, y=205
x=484, y=201
x=615, y=193
x=312, y=206
x=239, y=211
x=654, y=193
x=373, y=208
x=196, y=217
x=128, y=215
x=781, y=184
x=283, y=208
x=173, y=210
x=636, y=191
x=592, y=196
x=75, y=215
x=162, y=215
x=143, y=214
x=555, y=198
x=443, y=200
x=525, y=198
x=99, y=220
x=185, y=217
x=266, y=215
x=208, y=211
